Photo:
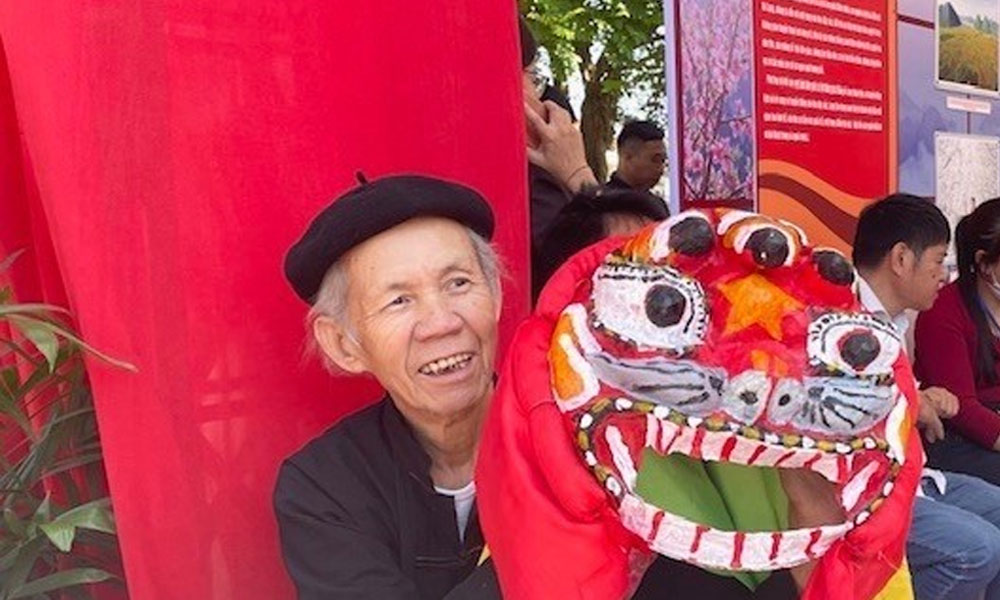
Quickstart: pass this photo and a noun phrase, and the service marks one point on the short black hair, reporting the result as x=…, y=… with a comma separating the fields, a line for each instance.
x=581, y=223
x=642, y=131
x=913, y=220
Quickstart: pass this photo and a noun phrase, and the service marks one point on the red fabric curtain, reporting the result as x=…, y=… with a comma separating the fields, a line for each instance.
x=159, y=157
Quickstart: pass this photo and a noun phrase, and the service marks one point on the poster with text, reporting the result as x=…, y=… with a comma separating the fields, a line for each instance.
x=822, y=75
x=785, y=107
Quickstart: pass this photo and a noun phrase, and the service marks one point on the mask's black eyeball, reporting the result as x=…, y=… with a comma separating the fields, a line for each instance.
x=692, y=237
x=664, y=305
x=769, y=247
x=833, y=267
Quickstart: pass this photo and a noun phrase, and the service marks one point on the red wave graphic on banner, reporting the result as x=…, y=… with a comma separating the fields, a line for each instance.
x=828, y=215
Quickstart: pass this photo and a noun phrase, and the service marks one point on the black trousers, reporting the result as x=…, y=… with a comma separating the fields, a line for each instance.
x=667, y=578
x=957, y=454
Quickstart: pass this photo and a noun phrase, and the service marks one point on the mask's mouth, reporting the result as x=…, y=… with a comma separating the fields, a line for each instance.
x=614, y=433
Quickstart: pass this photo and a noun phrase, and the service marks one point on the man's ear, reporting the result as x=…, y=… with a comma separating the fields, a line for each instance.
x=339, y=345
x=978, y=259
x=901, y=259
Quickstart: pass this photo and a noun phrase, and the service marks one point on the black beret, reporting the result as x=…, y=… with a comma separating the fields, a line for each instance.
x=371, y=208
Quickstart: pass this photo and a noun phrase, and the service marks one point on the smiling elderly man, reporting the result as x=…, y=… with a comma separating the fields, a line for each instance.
x=404, y=287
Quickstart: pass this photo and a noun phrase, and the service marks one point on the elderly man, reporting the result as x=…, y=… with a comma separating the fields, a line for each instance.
x=404, y=287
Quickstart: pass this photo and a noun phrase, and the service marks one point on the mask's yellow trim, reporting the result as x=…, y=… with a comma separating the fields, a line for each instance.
x=898, y=587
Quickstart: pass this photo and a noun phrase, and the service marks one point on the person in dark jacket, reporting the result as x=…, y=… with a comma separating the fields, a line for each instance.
x=403, y=287
x=557, y=162
x=642, y=157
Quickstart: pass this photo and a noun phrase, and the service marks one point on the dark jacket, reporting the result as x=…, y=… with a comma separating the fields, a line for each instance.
x=359, y=518
x=615, y=182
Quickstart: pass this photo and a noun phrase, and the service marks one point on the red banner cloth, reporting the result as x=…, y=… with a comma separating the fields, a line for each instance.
x=176, y=150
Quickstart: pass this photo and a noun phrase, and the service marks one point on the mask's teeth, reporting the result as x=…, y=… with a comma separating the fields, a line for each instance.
x=623, y=404
x=621, y=456
x=856, y=486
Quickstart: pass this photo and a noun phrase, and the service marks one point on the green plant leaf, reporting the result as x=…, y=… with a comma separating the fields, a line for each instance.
x=35, y=308
x=41, y=335
x=94, y=515
x=22, y=560
x=14, y=524
x=43, y=513
x=73, y=463
x=60, y=580
x=118, y=363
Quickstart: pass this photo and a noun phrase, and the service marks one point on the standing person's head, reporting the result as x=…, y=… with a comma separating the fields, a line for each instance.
x=642, y=154
x=404, y=286
x=900, y=244
x=977, y=246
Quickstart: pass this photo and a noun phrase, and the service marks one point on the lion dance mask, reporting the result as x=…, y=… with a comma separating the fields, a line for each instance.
x=722, y=339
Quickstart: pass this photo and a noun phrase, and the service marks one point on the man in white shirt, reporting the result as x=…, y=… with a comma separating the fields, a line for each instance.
x=954, y=543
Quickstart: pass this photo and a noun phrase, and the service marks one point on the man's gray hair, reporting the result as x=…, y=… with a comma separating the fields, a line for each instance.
x=331, y=300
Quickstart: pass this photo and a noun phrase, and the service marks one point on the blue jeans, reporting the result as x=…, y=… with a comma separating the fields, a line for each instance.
x=954, y=543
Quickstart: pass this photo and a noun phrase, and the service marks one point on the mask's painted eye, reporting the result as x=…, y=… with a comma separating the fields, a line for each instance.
x=651, y=307
x=853, y=344
x=833, y=267
x=770, y=242
x=689, y=233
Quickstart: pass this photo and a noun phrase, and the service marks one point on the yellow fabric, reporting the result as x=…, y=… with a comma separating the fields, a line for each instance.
x=898, y=587
x=484, y=556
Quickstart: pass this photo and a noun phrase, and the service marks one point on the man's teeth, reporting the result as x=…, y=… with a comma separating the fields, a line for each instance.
x=445, y=365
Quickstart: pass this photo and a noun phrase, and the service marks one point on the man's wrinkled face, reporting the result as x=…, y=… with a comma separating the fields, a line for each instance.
x=424, y=317
x=645, y=162
x=925, y=277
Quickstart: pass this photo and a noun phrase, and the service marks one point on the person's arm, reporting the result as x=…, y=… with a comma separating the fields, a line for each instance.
x=325, y=551
x=943, y=355
x=480, y=585
x=812, y=502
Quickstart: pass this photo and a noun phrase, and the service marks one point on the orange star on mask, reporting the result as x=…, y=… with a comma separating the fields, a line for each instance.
x=755, y=300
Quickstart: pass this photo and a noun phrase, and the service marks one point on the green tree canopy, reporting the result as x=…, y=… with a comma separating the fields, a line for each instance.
x=614, y=45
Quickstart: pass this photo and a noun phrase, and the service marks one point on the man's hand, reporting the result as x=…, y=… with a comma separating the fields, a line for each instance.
x=812, y=502
x=935, y=404
x=930, y=423
x=556, y=145
x=944, y=402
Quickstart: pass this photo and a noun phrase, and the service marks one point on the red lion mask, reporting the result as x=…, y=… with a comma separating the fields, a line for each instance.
x=723, y=337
